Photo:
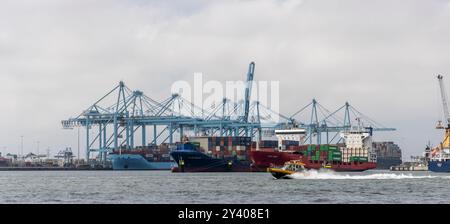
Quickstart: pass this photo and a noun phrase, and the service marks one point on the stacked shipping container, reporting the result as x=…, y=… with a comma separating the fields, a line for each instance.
x=388, y=154
x=324, y=153
x=225, y=147
x=354, y=155
x=336, y=153
x=387, y=149
x=151, y=153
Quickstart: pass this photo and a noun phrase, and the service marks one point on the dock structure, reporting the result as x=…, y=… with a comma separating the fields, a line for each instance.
x=117, y=125
x=409, y=167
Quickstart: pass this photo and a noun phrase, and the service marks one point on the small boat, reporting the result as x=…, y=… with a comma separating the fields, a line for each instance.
x=288, y=169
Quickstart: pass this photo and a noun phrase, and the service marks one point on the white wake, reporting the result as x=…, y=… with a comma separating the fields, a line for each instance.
x=331, y=175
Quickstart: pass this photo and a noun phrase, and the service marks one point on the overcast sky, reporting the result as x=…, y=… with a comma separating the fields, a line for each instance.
x=59, y=56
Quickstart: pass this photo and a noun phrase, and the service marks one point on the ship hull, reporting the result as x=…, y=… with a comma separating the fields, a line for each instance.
x=262, y=160
x=387, y=163
x=439, y=166
x=194, y=161
x=137, y=162
x=266, y=159
x=345, y=167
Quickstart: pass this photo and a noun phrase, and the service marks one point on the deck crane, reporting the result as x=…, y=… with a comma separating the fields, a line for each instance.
x=445, y=144
x=248, y=90
x=444, y=104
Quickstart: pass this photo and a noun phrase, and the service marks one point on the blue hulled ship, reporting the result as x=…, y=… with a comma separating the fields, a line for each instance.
x=439, y=157
x=439, y=166
x=148, y=158
x=213, y=154
x=138, y=162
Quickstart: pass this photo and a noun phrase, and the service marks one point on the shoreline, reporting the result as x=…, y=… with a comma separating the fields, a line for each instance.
x=52, y=169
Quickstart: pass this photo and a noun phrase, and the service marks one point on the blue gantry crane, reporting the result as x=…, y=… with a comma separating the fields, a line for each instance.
x=111, y=127
x=322, y=121
x=116, y=120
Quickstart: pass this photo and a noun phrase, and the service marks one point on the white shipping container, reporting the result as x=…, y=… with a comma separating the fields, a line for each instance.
x=204, y=141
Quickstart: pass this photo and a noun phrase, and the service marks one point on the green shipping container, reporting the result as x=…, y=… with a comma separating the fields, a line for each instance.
x=324, y=148
x=337, y=153
x=358, y=159
x=363, y=159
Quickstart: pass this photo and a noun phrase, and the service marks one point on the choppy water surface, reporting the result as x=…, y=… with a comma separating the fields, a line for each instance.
x=254, y=188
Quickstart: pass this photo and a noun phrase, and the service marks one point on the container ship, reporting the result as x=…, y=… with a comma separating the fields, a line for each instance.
x=213, y=154
x=388, y=154
x=271, y=153
x=354, y=155
x=143, y=158
x=439, y=157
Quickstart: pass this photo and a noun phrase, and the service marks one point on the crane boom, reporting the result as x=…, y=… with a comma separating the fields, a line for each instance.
x=248, y=90
x=444, y=99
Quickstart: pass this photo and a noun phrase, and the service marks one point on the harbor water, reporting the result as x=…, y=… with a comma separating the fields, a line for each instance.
x=163, y=187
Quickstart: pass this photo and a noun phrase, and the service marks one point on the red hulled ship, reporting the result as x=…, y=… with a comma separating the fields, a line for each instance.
x=354, y=155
